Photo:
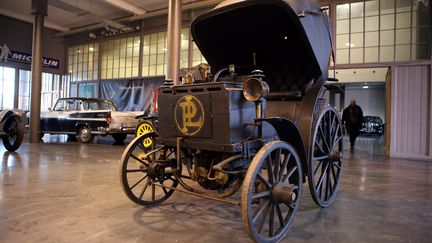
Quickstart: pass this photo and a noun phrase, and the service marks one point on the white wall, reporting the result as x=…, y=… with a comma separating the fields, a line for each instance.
x=411, y=108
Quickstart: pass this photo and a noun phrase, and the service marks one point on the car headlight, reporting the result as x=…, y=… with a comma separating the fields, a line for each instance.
x=255, y=89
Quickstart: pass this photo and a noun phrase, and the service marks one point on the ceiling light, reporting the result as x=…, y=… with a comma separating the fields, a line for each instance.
x=91, y=49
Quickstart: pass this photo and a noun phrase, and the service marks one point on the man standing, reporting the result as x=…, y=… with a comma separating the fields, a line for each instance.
x=352, y=119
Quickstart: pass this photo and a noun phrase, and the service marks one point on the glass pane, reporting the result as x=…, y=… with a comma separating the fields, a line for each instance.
x=152, y=59
x=387, y=6
x=342, y=41
x=403, y=53
x=145, y=71
x=356, y=9
x=356, y=25
x=403, y=36
x=371, y=8
x=387, y=22
x=160, y=70
x=371, y=38
x=403, y=5
x=403, y=20
x=146, y=50
x=387, y=37
x=146, y=40
x=357, y=40
x=161, y=37
x=152, y=70
x=342, y=26
x=342, y=56
x=386, y=54
x=356, y=55
x=342, y=11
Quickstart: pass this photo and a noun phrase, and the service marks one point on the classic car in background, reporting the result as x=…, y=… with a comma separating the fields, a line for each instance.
x=372, y=125
x=87, y=117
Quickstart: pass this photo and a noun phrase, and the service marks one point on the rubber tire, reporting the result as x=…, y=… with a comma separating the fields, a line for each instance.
x=83, y=138
x=119, y=137
x=19, y=136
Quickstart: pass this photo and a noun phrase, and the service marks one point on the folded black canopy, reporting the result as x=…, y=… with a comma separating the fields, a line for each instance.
x=290, y=38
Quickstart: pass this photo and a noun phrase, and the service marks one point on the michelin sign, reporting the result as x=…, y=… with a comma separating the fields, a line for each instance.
x=7, y=54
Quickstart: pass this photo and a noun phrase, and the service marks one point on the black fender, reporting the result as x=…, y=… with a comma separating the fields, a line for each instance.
x=288, y=132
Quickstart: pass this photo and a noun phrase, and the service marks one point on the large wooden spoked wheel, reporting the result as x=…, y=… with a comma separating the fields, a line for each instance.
x=271, y=192
x=143, y=171
x=325, y=163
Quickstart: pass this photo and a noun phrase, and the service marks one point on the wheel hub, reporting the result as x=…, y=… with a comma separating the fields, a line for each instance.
x=283, y=193
x=334, y=156
x=156, y=171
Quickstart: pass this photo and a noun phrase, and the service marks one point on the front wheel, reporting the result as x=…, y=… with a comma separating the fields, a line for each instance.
x=147, y=176
x=271, y=192
x=15, y=133
x=85, y=135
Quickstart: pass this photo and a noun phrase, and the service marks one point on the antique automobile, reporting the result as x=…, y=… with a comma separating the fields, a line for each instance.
x=372, y=125
x=87, y=117
x=257, y=124
x=11, y=129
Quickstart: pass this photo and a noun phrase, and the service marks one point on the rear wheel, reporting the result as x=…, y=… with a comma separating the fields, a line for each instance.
x=15, y=133
x=119, y=137
x=325, y=164
x=85, y=135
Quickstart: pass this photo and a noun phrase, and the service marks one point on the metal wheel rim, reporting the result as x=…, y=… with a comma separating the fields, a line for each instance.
x=85, y=134
x=324, y=167
x=145, y=183
x=280, y=215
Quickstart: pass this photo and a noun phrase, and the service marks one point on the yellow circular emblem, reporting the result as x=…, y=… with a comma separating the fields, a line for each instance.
x=189, y=115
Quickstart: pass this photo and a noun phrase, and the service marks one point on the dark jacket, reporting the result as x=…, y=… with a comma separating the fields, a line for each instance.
x=352, y=117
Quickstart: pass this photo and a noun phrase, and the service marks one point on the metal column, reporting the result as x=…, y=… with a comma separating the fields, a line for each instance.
x=174, y=34
x=39, y=10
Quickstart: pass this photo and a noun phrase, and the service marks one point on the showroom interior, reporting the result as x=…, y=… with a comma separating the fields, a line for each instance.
x=57, y=189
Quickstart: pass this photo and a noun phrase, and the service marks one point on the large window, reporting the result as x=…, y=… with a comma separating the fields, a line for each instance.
x=120, y=58
x=155, y=53
x=382, y=31
x=197, y=57
x=83, y=62
x=7, y=88
x=24, y=90
x=53, y=87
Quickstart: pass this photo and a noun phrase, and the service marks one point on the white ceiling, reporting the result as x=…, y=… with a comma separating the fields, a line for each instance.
x=66, y=15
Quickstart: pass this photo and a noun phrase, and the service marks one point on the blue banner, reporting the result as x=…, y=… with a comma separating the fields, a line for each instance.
x=7, y=54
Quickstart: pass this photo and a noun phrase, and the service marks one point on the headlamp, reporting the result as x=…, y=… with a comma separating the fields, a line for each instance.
x=255, y=89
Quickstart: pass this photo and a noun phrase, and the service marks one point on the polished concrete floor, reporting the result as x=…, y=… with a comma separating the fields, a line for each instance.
x=64, y=191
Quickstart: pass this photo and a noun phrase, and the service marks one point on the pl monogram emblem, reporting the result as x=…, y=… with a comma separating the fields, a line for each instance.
x=189, y=115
